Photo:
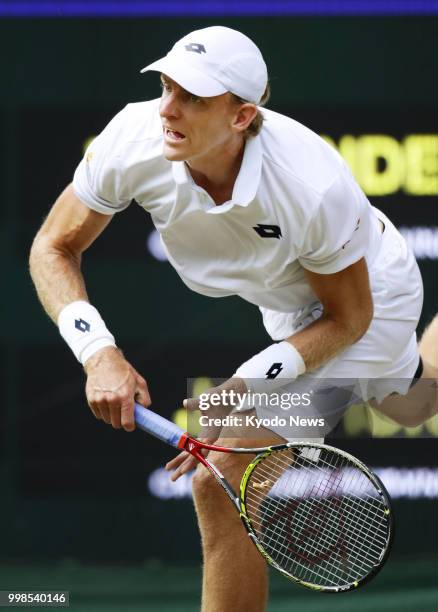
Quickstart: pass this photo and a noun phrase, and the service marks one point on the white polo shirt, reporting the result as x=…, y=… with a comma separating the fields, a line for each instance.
x=294, y=205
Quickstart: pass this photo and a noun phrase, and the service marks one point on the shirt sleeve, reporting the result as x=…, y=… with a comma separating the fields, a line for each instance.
x=338, y=234
x=99, y=179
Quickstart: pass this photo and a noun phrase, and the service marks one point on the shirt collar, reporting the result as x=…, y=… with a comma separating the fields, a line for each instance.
x=247, y=181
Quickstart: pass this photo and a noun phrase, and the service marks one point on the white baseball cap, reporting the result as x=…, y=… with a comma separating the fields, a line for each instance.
x=215, y=60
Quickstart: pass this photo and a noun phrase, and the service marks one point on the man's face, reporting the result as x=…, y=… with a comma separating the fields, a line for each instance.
x=194, y=128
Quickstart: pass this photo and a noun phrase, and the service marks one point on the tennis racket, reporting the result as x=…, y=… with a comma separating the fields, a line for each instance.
x=317, y=514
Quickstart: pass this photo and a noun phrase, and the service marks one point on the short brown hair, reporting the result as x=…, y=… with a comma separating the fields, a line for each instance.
x=256, y=125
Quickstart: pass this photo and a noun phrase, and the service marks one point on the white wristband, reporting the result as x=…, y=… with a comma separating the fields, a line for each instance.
x=84, y=330
x=272, y=368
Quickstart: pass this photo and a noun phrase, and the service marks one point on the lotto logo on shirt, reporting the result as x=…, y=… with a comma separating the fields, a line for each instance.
x=268, y=231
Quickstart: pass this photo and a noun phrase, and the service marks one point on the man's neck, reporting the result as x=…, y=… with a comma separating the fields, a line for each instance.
x=217, y=172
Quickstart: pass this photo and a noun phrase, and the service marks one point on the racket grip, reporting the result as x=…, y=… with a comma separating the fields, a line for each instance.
x=158, y=426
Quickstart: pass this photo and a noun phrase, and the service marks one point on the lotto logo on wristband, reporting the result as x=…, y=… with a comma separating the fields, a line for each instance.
x=82, y=325
x=274, y=370
x=285, y=360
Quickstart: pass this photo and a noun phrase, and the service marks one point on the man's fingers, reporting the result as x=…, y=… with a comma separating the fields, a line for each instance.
x=142, y=394
x=99, y=406
x=176, y=461
x=105, y=412
x=112, y=384
x=116, y=420
x=186, y=466
x=181, y=457
x=142, y=397
x=185, y=462
x=191, y=404
x=127, y=414
x=94, y=410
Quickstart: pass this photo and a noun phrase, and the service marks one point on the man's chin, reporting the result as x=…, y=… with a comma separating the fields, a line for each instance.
x=172, y=154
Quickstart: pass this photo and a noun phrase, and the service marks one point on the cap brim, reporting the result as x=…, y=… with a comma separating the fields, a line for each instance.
x=187, y=77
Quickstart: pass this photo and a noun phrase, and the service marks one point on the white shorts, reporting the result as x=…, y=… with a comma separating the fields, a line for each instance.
x=384, y=360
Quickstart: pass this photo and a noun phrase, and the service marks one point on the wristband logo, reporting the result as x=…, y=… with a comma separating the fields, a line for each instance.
x=274, y=370
x=82, y=325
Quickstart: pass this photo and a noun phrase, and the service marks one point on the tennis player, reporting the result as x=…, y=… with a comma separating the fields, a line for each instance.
x=248, y=202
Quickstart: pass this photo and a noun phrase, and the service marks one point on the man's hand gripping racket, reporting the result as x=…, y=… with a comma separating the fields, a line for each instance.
x=317, y=514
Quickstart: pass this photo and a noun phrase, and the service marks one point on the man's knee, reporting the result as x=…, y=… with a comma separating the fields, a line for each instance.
x=208, y=495
x=203, y=484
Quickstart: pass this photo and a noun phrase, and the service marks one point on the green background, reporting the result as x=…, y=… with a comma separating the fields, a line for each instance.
x=69, y=485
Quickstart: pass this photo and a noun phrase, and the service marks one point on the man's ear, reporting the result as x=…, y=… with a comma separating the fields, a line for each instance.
x=244, y=116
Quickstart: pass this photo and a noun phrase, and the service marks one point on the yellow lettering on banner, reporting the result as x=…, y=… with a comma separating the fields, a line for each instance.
x=374, y=180
x=421, y=152
x=382, y=165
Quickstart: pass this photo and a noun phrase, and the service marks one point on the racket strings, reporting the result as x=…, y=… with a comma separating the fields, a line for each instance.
x=324, y=488
x=271, y=469
x=311, y=550
x=367, y=511
x=302, y=521
x=368, y=505
x=320, y=518
x=280, y=542
x=373, y=520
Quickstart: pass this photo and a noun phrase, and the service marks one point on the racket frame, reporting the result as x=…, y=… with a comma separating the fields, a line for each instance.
x=194, y=448
x=173, y=435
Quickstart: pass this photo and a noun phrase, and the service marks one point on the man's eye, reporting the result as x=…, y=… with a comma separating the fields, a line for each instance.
x=164, y=86
x=194, y=98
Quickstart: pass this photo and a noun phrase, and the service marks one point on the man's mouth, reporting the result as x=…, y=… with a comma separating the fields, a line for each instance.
x=173, y=135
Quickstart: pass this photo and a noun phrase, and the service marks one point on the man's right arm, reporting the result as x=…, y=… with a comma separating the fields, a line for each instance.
x=55, y=266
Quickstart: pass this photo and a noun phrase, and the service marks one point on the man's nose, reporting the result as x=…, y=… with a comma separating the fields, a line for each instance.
x=169, y=107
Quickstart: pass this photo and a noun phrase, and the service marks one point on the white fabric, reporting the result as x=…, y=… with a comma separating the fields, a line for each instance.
x=84, y=330
x=271, y=368
x=291, y=181
x=386, y=357
x=214, y=60
x=382, y=362
x=217, y=250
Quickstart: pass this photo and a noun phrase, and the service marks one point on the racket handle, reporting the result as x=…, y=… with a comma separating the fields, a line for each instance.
x=158, y=426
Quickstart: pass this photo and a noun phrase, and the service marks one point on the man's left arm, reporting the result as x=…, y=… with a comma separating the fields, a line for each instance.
x=348, y=311
x=347, y=314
